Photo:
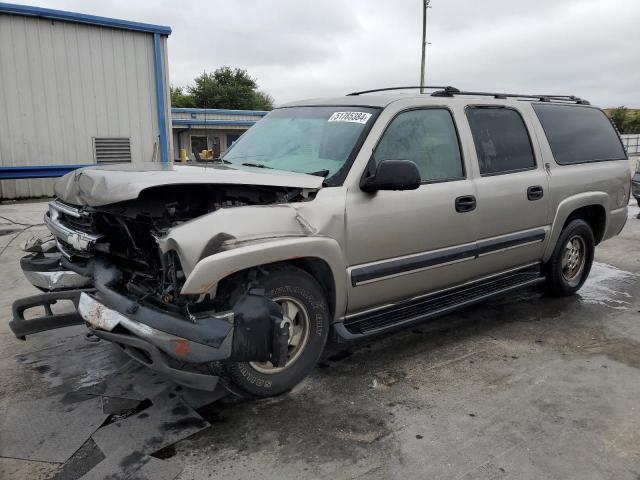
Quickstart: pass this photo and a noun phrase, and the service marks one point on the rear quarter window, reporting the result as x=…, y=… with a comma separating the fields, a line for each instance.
x=579, y=134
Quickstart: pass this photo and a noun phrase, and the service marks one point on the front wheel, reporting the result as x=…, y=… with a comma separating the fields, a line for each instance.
x=304, y=304
x=570, y=263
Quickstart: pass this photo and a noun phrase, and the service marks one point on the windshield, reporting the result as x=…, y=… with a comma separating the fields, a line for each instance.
x=316, y=140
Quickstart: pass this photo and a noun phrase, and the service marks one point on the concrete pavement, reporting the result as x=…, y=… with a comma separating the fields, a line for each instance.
x=523, y=387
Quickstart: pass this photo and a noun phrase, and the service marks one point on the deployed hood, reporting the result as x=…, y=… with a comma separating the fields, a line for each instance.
x=103, y=185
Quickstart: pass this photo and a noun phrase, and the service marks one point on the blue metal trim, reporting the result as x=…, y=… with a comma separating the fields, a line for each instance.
x=38, y=171
x=74, y=17
x=219, y=111
x=190, y=121
x=162, y=115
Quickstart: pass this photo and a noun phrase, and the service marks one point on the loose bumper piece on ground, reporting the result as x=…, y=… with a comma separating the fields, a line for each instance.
x=21, y=327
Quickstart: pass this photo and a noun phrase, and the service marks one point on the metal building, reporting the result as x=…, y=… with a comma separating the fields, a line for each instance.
x=197, y=129
x=77, y=90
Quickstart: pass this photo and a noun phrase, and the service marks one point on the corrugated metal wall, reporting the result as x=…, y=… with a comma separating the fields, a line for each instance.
x=62, y=84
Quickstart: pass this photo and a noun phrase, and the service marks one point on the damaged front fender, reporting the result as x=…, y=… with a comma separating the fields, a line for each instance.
x=229, y=228
x=211, y=270
x=219, y=230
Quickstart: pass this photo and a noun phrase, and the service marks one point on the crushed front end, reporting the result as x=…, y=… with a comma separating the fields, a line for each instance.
x=108, y=262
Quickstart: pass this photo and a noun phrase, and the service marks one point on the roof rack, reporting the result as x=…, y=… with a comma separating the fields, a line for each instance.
x=353, y=94
x=451, y=91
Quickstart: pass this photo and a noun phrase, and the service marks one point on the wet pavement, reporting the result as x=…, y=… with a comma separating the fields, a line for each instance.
x=522, y=387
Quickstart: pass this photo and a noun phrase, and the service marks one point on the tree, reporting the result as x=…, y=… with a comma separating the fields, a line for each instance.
x=179, y=99
x=626, y=120
x=619, y=117
x=632, y=124
x=229, y=88
x=263, y=101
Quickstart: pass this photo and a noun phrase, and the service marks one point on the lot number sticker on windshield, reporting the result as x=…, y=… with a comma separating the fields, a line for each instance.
x=356, y=117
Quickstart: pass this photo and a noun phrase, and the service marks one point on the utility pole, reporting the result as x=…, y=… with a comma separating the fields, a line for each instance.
x=425, y=5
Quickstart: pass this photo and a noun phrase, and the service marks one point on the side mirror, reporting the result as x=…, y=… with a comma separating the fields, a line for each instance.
x=392, y=175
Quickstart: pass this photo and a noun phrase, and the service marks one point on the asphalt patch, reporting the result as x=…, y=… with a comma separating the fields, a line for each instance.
x=119, y=406
x=49, y=429
x=167, y=421
x=85, y=458
x=132, y=381
x=75, y=364
x=124, y=464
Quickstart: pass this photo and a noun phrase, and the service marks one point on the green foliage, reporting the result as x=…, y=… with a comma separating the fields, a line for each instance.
x=618, y=116
x=179, y=99
x=263, y=101
x=224, y=88
x=625, y=120
x=632, y=125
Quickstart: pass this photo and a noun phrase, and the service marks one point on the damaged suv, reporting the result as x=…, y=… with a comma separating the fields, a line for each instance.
x=348, y=216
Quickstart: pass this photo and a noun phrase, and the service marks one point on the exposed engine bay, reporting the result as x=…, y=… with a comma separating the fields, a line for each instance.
x=158, y=261
x=126, y=235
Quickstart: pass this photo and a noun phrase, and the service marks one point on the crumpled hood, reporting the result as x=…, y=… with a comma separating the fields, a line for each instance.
x=102, y=185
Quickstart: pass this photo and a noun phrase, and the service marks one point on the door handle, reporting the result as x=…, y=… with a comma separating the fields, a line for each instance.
x=466, y=203
x=535, y=192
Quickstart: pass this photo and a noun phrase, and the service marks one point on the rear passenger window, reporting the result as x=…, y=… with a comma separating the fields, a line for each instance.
x=579, y=134
x=501, y=140
x=428, y=138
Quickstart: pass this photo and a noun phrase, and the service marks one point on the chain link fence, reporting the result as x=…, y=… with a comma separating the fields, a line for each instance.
x=631, y=143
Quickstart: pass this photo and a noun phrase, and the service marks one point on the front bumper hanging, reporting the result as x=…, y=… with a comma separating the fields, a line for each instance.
x=21, y=327
x=175, y=346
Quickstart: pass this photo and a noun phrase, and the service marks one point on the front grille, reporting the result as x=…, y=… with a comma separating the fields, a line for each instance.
x=84, y=223
x=125, y=242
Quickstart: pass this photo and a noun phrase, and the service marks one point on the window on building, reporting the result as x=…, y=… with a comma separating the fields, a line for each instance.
x=231, y=139
x=428, y=138
x=198, y=145
x=112, y=150
x=501, y=140
x=579, y=134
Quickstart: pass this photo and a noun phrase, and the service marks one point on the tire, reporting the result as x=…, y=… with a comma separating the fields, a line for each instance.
x=293, y=288
x=570, y=263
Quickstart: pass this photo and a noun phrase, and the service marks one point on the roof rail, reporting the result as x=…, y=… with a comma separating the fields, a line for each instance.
x=353, y=94
x=451, y=91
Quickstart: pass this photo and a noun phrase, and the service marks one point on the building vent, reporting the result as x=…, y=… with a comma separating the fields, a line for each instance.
x=112, y=150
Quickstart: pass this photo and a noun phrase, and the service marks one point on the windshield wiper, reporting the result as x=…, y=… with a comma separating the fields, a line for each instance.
x=320, y=173
x=257, y=165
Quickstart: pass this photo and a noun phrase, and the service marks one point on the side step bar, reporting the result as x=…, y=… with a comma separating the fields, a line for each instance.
x=424, y=308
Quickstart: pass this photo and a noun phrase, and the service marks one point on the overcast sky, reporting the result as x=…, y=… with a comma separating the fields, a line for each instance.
x=299, y=48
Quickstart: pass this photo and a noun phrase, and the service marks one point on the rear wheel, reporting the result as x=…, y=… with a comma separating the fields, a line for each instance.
x=570, y=263
x=304, y=304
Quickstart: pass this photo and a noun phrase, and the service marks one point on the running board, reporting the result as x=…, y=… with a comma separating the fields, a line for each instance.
x=424, y=308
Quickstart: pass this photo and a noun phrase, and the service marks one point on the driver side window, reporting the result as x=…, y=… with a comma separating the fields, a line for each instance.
x=428, y=138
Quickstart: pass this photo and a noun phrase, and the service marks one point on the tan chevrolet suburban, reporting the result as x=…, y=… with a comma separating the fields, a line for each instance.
x=348, y=216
